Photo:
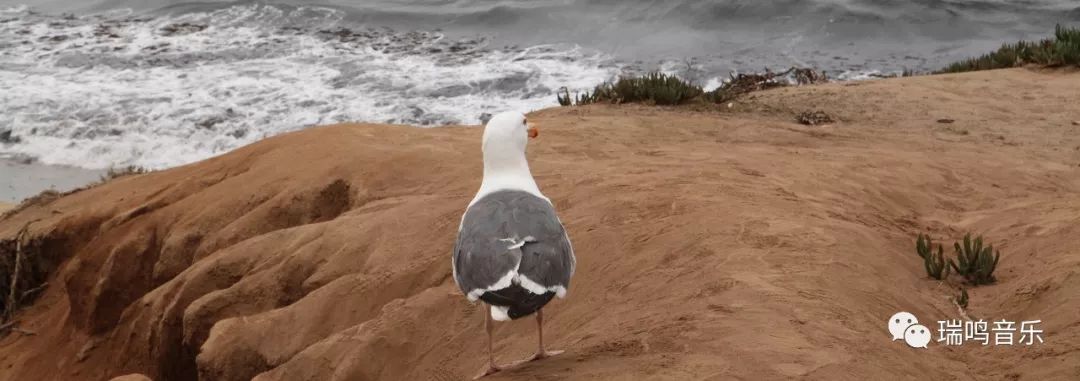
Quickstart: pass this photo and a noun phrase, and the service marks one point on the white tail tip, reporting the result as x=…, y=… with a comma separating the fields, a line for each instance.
x=500, y=313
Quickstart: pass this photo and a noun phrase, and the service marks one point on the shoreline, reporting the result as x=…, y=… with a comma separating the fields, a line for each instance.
x=23, y=180
x=776, y=216
x=452, y=81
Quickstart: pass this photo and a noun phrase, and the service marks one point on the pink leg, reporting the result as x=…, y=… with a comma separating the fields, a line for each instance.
x=540, y=351
x=488, y=326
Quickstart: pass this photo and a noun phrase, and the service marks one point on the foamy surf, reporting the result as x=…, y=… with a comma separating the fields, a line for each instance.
x=173, y=81
x=119, y=89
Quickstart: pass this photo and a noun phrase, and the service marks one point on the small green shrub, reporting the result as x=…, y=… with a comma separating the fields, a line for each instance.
x=1063, y=49
x=662, y=89
x=935, y=263
x=975, y=262
x=656, y=88
x=1067, y=45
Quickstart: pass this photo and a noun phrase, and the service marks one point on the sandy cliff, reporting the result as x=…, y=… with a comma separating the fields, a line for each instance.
x=711, y=245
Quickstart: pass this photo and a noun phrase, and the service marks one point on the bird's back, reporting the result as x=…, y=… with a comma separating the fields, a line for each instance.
x=512, y=251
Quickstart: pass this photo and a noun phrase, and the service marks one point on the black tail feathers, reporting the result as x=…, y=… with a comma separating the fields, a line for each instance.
x=520, y=301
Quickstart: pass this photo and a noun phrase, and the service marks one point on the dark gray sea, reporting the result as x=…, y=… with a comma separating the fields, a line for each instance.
x=159, y=83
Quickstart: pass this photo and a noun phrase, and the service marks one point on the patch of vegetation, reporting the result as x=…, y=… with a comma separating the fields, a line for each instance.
x=1062, y=50
x=934, y=262
x=564, y=97
x=652, y=88
x=663, y=89
x=742, y=84
x=975, y=262
x=114, y=173
x=813, y=118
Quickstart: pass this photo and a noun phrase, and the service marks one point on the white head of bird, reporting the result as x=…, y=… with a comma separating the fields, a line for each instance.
x=505, y=167
x=505, y=138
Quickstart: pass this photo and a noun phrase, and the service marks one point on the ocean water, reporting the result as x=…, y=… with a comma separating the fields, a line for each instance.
x=160, y=83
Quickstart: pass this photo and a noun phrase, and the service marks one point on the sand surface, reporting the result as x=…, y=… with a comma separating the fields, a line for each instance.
x=731, y=245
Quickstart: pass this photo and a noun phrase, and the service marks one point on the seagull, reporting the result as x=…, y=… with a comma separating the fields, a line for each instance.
x=512, y=251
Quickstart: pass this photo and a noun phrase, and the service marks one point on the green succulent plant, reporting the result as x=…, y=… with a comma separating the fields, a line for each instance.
x=935, y=263
x=975, y=262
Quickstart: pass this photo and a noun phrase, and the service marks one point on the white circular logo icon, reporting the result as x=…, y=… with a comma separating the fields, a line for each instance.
x=917, y=336
x=899, y=322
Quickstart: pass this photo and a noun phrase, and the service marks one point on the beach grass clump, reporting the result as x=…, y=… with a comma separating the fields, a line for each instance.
x=563, y=96
x=1061, y=50
x=664, y=89
x=652, y=88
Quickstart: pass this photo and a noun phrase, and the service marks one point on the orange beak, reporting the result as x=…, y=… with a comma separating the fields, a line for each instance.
x=533, y=132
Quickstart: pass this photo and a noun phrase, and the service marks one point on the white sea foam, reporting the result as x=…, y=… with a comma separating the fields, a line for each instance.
x=864, y=75
x=712, y=84
x=119, y=89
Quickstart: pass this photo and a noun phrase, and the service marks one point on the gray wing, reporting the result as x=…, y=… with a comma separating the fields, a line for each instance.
x=516, y=233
